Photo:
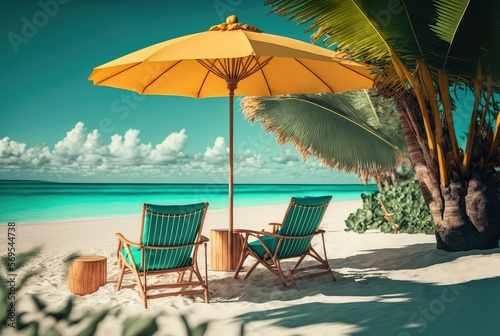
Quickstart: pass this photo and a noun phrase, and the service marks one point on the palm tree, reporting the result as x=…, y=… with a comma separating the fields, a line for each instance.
x=355, y=131
x=424, y=48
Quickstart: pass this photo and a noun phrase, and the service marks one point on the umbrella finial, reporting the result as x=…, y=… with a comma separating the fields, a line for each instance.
x=232, y=24
x=231, y=19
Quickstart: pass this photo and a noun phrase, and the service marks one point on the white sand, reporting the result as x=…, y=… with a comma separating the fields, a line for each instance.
x=386, y=284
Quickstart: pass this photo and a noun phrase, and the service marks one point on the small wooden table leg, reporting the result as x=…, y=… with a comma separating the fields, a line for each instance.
x=86, y=274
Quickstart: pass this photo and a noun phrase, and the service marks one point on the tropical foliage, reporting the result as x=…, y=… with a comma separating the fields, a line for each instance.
x=44, y=320
x=406, y=204
x=352, y=131
x=422, y=48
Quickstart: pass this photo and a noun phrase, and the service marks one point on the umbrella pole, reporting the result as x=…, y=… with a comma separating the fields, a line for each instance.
x=226, y=249
x=231, y=85
x=231, y=164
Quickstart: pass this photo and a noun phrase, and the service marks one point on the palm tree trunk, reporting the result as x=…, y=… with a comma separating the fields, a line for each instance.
x=466, y=214
x=471, y=214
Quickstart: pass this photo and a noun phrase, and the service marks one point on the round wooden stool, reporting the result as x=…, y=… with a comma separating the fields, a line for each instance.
x=222, y=259
x=86, y=274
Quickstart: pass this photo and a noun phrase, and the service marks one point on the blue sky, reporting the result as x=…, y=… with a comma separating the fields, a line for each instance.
x=56, y=125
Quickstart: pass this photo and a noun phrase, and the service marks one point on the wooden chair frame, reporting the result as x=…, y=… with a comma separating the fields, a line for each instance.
x=143, y=286
x=272, y=261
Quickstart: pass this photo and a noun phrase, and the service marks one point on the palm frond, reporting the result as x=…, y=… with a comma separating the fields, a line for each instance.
x=341, y=24
x=468, y=31
x=351, y=131
x=452, y=35
x=362, y=28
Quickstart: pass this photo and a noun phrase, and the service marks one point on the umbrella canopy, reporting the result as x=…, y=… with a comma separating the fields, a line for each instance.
x=199, y=65
x=232, y=58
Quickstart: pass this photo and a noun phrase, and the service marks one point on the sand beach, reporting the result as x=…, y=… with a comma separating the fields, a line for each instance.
x=386, y=284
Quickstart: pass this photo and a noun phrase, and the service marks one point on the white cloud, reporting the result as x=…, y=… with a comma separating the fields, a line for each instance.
x=127, y=150
x=217, y=154
x=285, y=158
x=14, y=155
x=93, y=144
x=71, y=146
x=250, y=160
x=170, y=149
x=86, y=153
x=81, y=152
x=10, y=149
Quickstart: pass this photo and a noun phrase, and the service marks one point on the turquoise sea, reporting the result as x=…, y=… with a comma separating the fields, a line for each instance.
x=37, y=201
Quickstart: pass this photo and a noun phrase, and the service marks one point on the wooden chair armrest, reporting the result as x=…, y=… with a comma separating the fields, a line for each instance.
x=301, y=237
x=275, y=226
x=258, y=233
x=265, y=233
x=125, y=240
x=240, y=230
x=204, y=239
x=148, y=247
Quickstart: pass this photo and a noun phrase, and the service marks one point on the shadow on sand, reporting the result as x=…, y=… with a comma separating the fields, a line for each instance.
x=403, y=258
x=400, y=308
x=376, y=305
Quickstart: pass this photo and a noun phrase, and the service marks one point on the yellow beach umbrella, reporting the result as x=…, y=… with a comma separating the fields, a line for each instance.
x=232, y=59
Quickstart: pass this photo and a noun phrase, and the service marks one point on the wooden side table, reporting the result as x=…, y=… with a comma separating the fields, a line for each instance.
x=221, y=259
x=86, y=274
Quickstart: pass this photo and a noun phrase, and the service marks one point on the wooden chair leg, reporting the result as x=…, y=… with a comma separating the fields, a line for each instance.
x=279, y=273
x=243, y=257
x=180, y=278
x=142, y=289
x=250, y=270
x=206, y=274
x=118, y=259
x=207, y=300
x=120, y=277
x=292, y=279
x=326, y=258
x=299, y=261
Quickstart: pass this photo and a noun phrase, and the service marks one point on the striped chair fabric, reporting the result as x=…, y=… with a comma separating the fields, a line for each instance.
x=168, y=226
x=293, y=239
x=169, y=242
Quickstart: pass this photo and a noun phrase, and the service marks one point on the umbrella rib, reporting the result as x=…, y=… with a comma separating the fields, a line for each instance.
x=203, y=83
x=314, y=74
x=116, y=74
x=230, y=68
x=251, y=69
x=158, y=77
x=235, y=68
x=265, y=81
x=210, y=66
x=351, y=69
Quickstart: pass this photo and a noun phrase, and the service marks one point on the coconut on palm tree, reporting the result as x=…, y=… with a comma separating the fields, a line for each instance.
x=425, y=48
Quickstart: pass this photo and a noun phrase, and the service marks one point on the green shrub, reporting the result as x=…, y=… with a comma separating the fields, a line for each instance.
x=404, y=201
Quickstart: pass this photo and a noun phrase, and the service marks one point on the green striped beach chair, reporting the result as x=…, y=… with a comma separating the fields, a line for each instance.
x=289, y=239
x=169, y=242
